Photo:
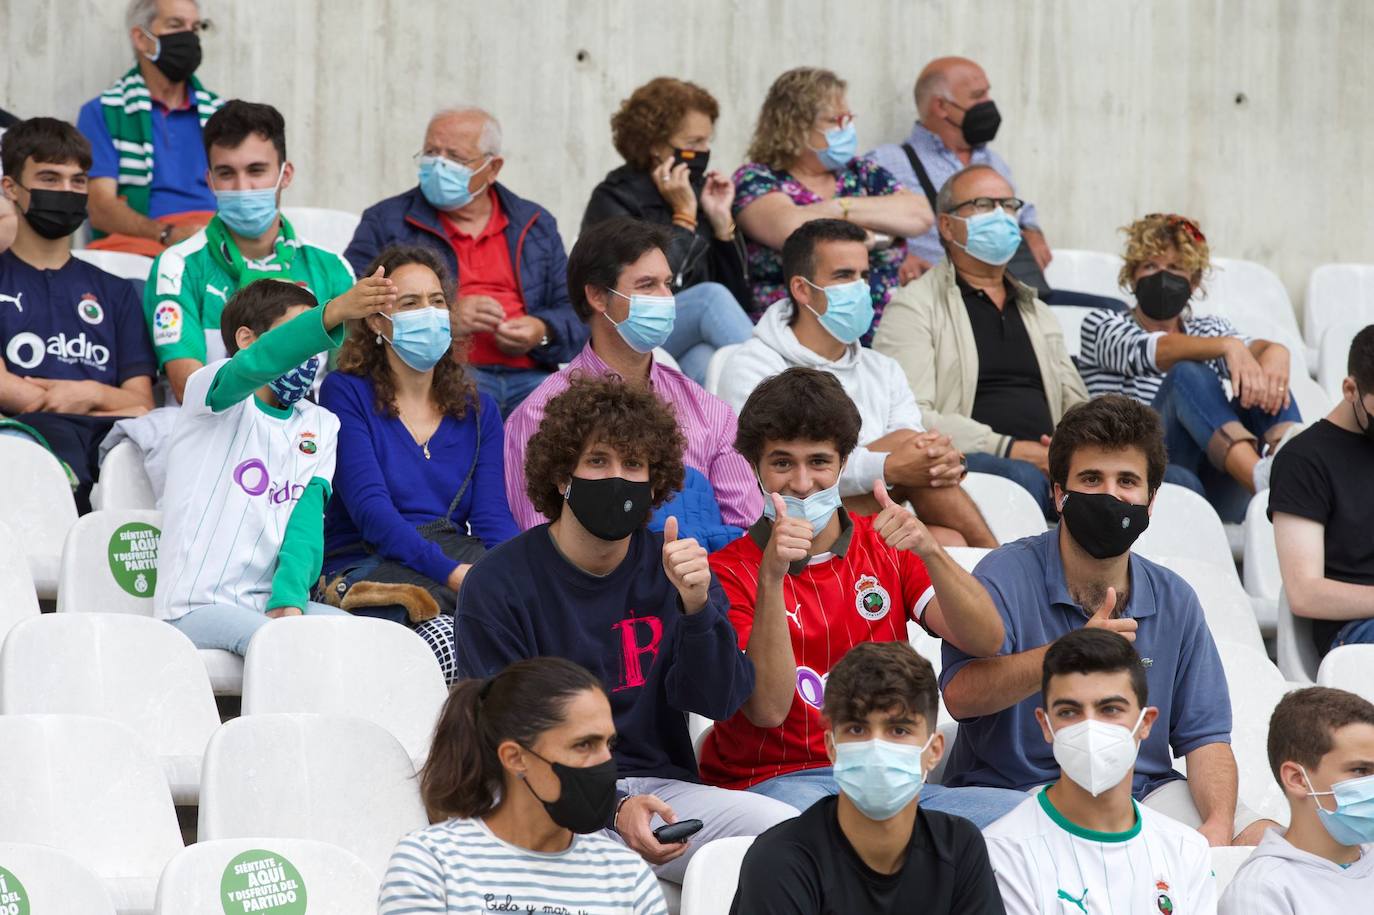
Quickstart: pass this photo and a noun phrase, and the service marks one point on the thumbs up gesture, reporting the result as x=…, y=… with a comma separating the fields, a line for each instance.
x=1103, y=619
x=685, y=563
x=789, y=542
x=899, y=528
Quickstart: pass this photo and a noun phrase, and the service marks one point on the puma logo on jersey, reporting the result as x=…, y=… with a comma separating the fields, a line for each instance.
x=1082, y=906
x=14, y=299
x=222, y=293
x=794, y=615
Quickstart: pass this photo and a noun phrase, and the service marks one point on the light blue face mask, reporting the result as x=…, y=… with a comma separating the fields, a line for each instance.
x=992, y=237
x=848, y=310
x=649, y=323
x=446, y=183
x=841, y=145
x=879, y=776
x=1352, y=822
x=296, y=383
x=249, y=213
x=816, y=508
x=421, y=337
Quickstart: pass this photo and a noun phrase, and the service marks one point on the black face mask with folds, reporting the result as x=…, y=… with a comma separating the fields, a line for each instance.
x=586, y=797
x=55, y=214
x=1102, y=524
x=1162, y=296
x=178, y=55
x=611, y=508
x=980, y=123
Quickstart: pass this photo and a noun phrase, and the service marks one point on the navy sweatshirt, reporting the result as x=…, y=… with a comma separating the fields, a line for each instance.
x=524, y=600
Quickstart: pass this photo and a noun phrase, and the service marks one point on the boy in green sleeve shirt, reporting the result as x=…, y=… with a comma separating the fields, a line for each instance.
x=250, y=466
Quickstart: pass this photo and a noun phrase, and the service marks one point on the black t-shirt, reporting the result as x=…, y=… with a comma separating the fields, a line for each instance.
x=806, y=866
x=1011, y=392
x=1323, y=474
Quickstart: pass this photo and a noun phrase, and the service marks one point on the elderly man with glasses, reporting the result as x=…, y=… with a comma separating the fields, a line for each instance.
x=505, y=252
x=985, y=358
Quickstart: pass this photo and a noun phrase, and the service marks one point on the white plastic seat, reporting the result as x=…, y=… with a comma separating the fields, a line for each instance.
x=324, y=228
x=1333, y=356
x=1185, y=526
x=1297, y=652
x=1085, y=271
x=1336, y=293
x=140, y=672
x=51, y=881
x=1349, y=667
x=967, y=556
x=331, y=879
x=1226, y=860
x=329, y=778
x=123, y=482
x=347, y=665
x=36, y=502
x=1229, y=612
x=1071, y=323
x=1313, y=402
x=1260, y=571
x=663, y=357
x=1241, y=289
x=88, y=787
x=120, y=263
x=1256, y=686
x=698, y=727
x=18, y=600
x=713, y=876
x=1009, y=510
x=715, y=368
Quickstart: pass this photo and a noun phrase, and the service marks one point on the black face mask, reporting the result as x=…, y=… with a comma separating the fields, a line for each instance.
x=697, y=163
x=1162, y=296
x=177, y=55
x=1367, y=428
x=980, y=123
x=55, y=214
x=1102, y=524
x=586, y=798
x=610, y=508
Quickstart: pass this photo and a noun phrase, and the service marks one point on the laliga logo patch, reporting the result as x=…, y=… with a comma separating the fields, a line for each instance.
x=1162, y=900
x=871, y=598
x=167, y=323
x=306, y=443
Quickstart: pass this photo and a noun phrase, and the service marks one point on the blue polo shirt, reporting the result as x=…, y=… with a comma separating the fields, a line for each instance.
x=1184, y=673
x=78, y=323
x=179, y=162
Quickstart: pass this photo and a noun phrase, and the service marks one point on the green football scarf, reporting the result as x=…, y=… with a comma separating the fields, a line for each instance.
x=280, y=265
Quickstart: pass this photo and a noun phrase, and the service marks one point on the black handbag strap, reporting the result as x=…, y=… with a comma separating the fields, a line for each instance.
x=446, y=523
x=921, y=175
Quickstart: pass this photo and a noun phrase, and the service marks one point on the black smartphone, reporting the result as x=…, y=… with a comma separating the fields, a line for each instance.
x=681, y=831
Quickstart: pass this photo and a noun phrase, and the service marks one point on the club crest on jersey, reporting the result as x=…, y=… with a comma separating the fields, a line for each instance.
x=167, y=323
x=871, y=598
x=89, y=309
x=1162, y=900
x=306, y=443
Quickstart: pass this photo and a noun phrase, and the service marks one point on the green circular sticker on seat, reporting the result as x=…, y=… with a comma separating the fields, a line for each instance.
x=262, y=881
x=133, y=558
x=14, y=899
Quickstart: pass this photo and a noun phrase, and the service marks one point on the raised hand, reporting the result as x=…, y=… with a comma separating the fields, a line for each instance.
x=789, y=542
x=1103, y=619
x=371, y=295
x=687, y=568
x=898, y=526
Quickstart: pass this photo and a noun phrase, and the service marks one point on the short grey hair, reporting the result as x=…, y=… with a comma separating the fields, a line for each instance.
x=944, y=200
x=489, y=143
x=928, y=86
x=140, y=14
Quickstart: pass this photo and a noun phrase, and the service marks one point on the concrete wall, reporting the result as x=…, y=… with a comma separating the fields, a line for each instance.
x=1252, y=115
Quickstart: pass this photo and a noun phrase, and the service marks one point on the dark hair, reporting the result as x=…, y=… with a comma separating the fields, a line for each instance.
x=257, y=305
x=1304, y=721
x=879, y=677
x=1094, y=651
x=799, y=250
x=452, y=389
x=629, y=418
x=1113, y=422
x=1359, y=364
x=652, y=113
x=233, y=123
x=604, y=250
x=797, y=404
x=463, y=776
x=43, y=140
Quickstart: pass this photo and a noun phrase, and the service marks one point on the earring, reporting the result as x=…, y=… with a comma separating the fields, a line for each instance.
x=379, y=339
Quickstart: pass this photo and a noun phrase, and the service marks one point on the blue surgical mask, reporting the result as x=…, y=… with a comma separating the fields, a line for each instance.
x=649, y=323
x=816, y=508
x=296, y=383
x=841, y=145
x=848, y=310
x=879, y=776
x=992, y=237
x=249, y=213
x=421, y=337
x=446, y=183
x=1352, y=822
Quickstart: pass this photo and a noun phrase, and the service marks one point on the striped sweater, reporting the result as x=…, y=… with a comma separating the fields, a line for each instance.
x=1117, y=355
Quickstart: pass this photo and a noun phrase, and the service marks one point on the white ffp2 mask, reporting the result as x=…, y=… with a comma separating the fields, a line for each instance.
x=1096, y=755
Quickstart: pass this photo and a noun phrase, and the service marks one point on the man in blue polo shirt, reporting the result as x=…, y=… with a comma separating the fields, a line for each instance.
x=76, y=352
x=1106, y=462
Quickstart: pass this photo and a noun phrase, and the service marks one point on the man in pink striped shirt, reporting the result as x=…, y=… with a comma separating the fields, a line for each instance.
x=619, y=284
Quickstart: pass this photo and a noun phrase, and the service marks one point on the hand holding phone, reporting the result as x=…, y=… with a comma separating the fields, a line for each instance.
x=680, y=831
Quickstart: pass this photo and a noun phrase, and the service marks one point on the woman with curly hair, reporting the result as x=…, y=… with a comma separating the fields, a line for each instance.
x=1162, y=354
x=803, y=166
x=419, y=487
x=640, y=610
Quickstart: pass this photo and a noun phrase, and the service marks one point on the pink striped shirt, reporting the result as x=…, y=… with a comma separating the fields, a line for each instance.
x=707, y=423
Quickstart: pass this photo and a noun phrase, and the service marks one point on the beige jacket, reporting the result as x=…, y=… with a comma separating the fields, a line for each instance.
x=925, y=327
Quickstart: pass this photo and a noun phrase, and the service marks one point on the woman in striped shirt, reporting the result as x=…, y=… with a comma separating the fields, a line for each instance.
x=1162, y=354
x=519, y=781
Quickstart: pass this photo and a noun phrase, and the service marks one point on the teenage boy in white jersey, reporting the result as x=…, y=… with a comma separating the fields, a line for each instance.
x=250, y=466
x=1083, y=844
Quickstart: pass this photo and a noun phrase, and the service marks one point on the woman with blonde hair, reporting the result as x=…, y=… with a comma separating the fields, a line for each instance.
x=804, y=166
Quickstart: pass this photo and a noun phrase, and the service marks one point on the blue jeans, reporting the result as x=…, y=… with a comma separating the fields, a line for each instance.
x=982, y=806
x=507, y=386
x=1193, y=406
x=1355, y=632
x=232, y=628
x=708, y=317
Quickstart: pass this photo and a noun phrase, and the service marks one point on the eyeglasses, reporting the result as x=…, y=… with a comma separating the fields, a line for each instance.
x=1174, y=221
x=982, y=205
x=446, y=154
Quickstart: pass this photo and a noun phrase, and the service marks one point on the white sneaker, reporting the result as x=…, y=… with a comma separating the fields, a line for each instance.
x=1261, y=473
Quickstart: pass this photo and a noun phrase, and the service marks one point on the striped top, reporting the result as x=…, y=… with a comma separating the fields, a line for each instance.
x=1118, y=355
x=459, y=867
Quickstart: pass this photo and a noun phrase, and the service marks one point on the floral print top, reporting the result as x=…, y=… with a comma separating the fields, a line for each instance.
x=860, y=178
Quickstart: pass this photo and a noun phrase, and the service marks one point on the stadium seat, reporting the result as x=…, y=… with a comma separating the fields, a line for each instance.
x=967, y=556
x=1349, y=667
x=1260, y=570
x=121, y=264
x=663, y=357
x=1242, y=290
x=140, y=672
x=18, y=601
x=48, y=880
x=698, y=726
x=930, y=648
x=1333, y=354
x=329, y=778
x=1256, y=686
x=36, y=502
x=713, y=875
x=1298, y=657
x=1071, y=323
x=320, y=877
x=1313, y=402
x=1085, y=271
x=324, y=228
x=1009, y=510
x=1336, y=293
x=715, y=369
x=1226, y=860
x=347, y=665
x=123, y=481
x=89, y=788
x=1184, y=525
x=1229, y=612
